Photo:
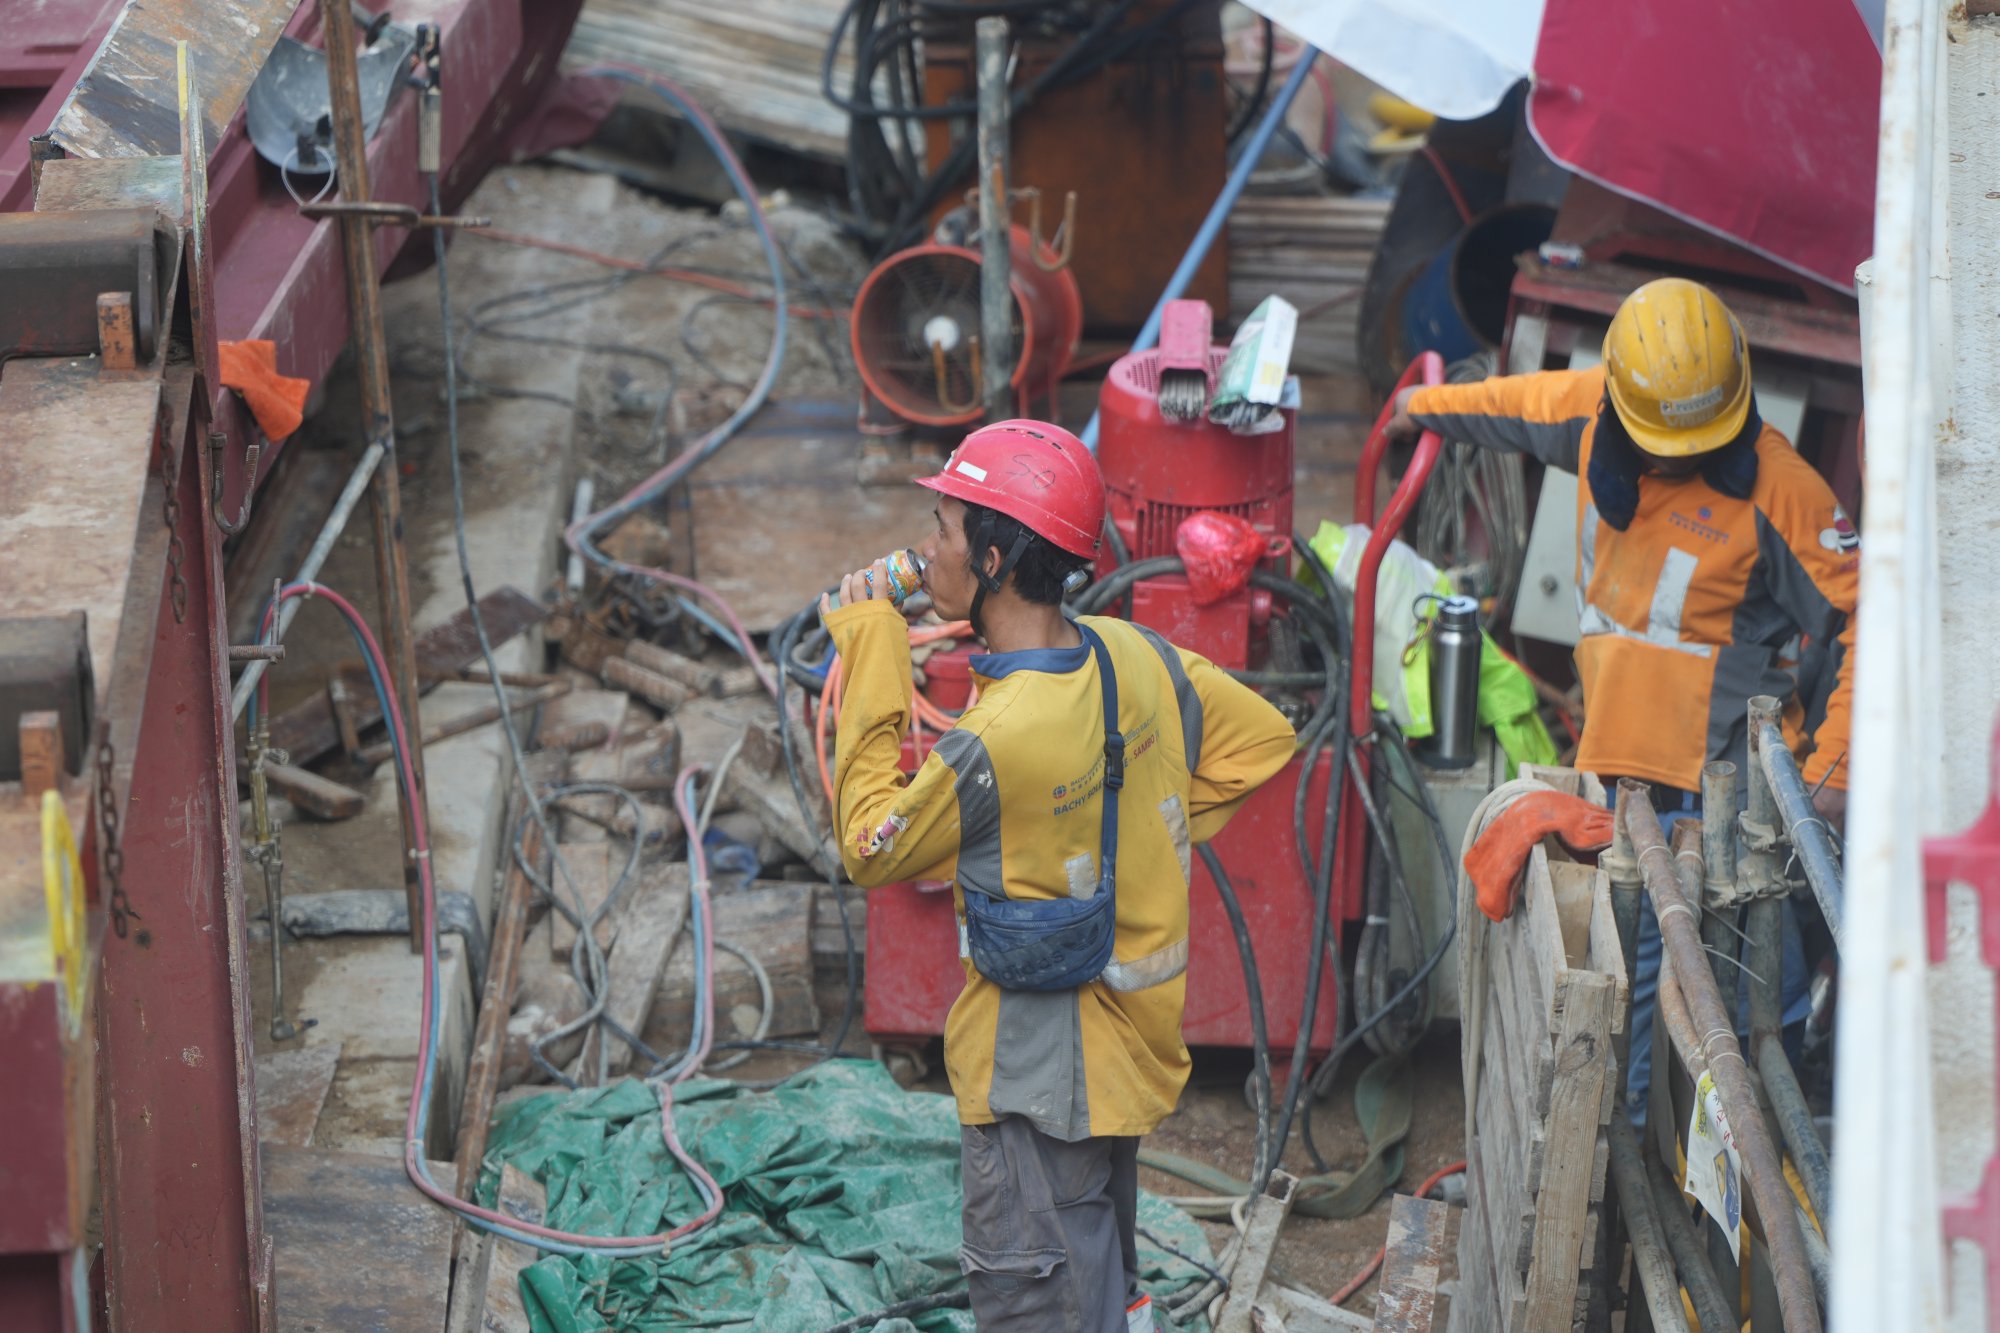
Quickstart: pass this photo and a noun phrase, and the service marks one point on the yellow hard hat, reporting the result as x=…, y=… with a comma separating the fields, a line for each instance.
x=1678, y=369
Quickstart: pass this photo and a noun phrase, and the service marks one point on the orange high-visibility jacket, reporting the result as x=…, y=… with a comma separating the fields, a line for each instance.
x=1699, y=603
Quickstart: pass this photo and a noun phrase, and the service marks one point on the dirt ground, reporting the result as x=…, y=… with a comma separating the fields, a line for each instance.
x=657, y=362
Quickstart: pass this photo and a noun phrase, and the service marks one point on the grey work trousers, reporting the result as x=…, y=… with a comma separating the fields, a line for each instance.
x=1049, y=1229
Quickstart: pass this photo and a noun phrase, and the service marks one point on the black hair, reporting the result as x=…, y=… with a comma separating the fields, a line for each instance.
x=1617, y=463
x=1041, y=574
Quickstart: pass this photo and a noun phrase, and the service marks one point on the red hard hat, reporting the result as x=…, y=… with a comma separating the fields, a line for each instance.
x=1034, y=472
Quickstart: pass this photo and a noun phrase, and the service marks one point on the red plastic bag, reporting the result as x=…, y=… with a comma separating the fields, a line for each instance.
x=1219, y=551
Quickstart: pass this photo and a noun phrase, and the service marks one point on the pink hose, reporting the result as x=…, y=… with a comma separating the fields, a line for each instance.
x=412, y=1148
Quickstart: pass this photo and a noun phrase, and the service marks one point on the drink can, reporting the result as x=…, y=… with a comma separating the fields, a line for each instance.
x=906, y=575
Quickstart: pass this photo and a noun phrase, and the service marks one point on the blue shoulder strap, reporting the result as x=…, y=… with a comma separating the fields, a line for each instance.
x=1114, y=759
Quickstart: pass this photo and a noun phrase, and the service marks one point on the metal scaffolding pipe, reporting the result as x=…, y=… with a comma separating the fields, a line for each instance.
x=1681, y=940
x=1718, y=829
x=1622, y=868
x=1796, y=1126
x=1652, y=1260
x=329, y=533
x=1712, y=1308
x=1807, y=832
x=996, y=290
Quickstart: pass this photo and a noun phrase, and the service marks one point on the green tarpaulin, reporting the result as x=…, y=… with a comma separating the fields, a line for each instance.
x=841, y=1196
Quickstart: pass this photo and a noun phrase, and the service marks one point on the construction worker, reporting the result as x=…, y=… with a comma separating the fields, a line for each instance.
x=1069, y=856
x=1707, y=551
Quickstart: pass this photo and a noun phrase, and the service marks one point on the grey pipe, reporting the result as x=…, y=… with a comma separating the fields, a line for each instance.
x=996, y=257
x=1712, y=1308
x=1621, y=866
x=1652, y=1260
x=1680, y=937
x=1795, y=1124
x=1808, y=833
x=329, y=533
x=1718, y=828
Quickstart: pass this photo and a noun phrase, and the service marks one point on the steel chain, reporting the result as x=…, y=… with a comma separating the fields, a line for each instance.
x=171, y=509
x=122, y=911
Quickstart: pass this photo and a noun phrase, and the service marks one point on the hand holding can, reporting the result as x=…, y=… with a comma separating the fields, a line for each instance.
x=894, y=577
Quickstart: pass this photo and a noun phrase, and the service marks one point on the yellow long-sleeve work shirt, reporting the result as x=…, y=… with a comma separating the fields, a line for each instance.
x=1009, y=804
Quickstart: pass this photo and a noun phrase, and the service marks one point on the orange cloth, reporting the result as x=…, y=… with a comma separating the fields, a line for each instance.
x=277, y=401
x=1496, y=859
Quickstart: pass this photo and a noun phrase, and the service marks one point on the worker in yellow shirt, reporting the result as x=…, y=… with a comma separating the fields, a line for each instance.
x=1708, y=551
x=1063, y=807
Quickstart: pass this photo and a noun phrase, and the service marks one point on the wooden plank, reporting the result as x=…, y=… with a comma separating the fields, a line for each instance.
x=583, y=890
x=503, y=972
x=312, y=794
x=649, y=923
x=1406, y=1301
x=504, y=1310
x=1570, y=885
x=291, y=1091
x=1545, y=954
x=1606, y=955
x=354, y=1246
x=1516, y=990
x=1509, y=1206
x=1562, y=1209
x=770, y=921
x=755, y=64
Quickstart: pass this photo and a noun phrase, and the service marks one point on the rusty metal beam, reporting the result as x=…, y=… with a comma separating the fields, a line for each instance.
x=183, y=1218
x=123, y=107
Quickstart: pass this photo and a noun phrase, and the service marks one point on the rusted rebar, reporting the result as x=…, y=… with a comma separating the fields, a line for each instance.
x=1680, y=937
x=371, y=357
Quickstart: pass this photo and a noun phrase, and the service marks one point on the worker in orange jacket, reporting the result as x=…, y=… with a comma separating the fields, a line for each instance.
x=1707, y=552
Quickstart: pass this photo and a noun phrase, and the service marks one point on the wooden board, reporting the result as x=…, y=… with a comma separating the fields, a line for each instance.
x=1562, y=1223
x=503, y=971
x=649, y=923
x=1407, y=1298
x=291, y=1090
x=1553, y=991
x=773, y=922
x=754, y=64
x=355, y=1246
x=797, y=460
x=504, y=1310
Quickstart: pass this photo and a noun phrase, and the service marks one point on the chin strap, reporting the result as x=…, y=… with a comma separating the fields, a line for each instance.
x=991, y=582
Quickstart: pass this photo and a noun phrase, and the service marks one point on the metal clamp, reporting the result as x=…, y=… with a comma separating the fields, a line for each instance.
x=252, y=453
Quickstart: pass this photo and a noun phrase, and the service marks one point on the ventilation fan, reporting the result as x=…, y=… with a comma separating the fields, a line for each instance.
x=915, y=328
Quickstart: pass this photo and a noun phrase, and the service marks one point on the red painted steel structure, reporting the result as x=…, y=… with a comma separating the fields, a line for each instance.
x=104, y=506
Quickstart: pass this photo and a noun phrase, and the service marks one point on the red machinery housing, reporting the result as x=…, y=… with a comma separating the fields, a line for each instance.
x=1157, y=473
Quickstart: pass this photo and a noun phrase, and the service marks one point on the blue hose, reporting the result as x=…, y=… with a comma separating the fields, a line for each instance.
x=1218, y=213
